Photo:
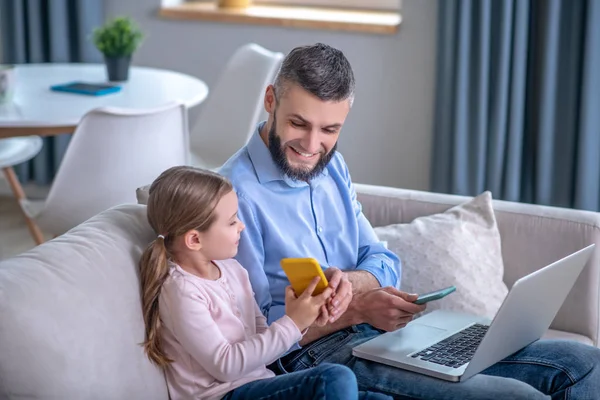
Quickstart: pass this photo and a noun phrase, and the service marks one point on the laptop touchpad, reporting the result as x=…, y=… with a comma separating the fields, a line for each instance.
x=416, y=336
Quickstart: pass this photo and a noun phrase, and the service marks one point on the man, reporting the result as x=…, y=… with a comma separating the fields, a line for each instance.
x=296, y=199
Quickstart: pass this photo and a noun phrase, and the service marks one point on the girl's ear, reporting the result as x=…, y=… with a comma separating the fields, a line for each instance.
x=192, y=240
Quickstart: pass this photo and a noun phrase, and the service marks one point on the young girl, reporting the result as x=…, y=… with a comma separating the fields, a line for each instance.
x=202, y=322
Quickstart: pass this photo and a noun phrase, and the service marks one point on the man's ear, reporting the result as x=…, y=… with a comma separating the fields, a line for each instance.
x=269, y=101
x=192, y=240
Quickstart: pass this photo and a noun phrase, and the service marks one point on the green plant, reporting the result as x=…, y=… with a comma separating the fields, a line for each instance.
x=119, y=37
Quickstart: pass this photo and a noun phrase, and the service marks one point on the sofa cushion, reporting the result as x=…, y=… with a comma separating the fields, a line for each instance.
x=459, y=247
x=71, y=322
x=554, y=334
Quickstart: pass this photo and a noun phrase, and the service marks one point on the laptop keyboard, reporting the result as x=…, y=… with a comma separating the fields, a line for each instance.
x=456, y=350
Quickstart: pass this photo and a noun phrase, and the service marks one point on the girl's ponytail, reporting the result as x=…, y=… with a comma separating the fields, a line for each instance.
x=154, y=270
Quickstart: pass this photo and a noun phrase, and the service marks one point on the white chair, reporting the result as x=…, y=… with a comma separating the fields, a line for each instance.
x=234, y=107
x=113, y=152
x=14, y=151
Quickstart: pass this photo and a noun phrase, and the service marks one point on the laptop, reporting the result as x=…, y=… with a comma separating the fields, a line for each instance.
x=455, y=346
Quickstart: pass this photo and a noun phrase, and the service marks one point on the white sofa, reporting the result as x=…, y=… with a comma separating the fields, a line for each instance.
x=70, y=315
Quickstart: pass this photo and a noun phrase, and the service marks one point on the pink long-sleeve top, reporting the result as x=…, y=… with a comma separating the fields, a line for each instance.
x=216, y=334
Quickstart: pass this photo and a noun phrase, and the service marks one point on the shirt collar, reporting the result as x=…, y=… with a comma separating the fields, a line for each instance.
x=265, y=167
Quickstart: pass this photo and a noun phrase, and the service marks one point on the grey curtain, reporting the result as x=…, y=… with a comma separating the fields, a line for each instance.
x=518, y=101
x=38, y=31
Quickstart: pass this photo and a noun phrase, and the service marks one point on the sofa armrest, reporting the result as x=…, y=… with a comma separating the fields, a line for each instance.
x=533, y=236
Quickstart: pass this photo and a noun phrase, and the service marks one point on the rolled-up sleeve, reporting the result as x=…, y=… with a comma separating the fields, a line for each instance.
x=375, y=258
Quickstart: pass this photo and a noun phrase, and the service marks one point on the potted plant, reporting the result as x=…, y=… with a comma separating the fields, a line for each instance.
x=117, y=40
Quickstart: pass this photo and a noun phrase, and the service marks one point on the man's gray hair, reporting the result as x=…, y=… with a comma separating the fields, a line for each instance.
x=319, y=69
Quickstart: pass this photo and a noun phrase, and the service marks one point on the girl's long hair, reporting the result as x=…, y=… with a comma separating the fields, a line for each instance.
x=181, y=199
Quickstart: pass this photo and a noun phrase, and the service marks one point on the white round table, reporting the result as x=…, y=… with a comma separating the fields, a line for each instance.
x=36, y=110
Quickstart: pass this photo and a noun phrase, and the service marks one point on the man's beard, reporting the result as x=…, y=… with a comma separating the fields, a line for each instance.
x=300, y=174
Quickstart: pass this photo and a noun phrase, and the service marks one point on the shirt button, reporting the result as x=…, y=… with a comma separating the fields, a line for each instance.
x=320, y=229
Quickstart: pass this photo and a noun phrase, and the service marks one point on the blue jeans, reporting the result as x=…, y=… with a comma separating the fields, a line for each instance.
x=324, y=382
x=546, y=369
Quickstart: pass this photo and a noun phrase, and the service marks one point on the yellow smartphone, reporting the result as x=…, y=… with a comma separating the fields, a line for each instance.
x=300, y=271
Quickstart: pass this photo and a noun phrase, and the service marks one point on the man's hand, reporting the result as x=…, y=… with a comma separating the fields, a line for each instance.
x=342, y=292
x=386, y=308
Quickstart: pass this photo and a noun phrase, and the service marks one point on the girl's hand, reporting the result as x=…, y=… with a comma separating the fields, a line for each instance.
x=324, y=315
x=306, y=308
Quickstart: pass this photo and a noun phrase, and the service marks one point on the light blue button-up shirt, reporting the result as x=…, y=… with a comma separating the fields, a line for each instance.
x=287, y=218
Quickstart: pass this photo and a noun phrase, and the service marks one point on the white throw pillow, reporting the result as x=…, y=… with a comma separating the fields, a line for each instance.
x=142, y=193
x=459, y=247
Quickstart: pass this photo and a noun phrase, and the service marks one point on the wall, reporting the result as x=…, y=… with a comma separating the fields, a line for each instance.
x=387, y=137
x=1, y=41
